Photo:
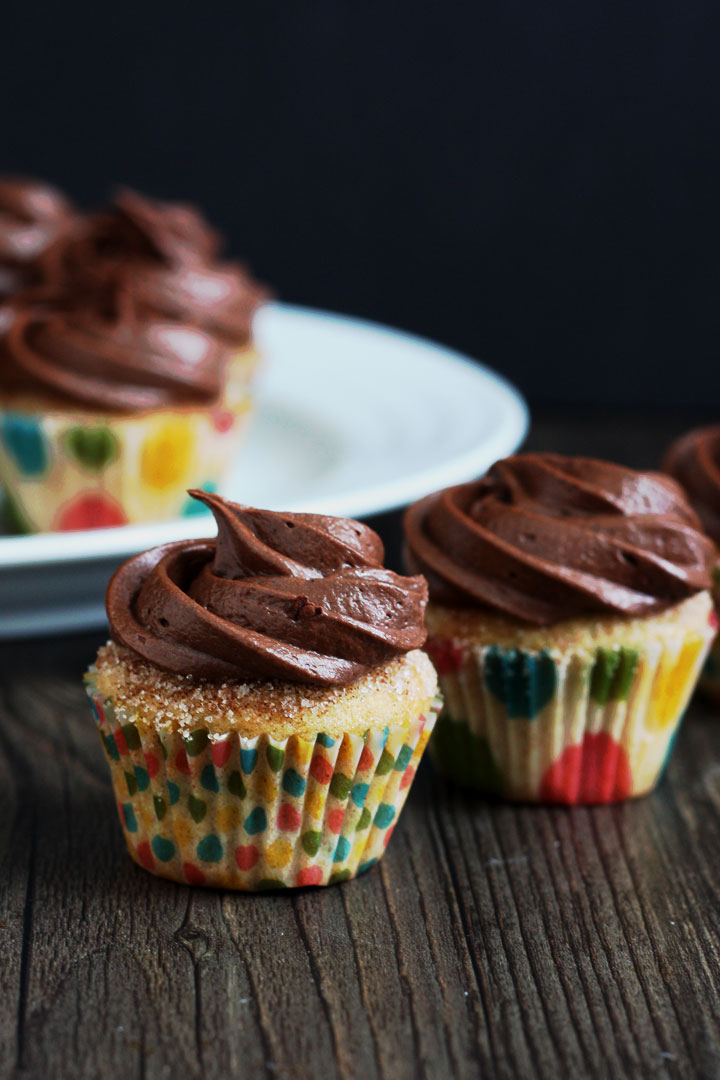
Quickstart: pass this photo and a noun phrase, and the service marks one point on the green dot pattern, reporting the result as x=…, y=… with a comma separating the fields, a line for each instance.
x=612, y=674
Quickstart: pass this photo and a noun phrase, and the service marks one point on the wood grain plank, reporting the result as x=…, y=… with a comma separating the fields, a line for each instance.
x=492, y=941
x=16, y=882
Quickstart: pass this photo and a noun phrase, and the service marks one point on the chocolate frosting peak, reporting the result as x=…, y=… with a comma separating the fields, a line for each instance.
x=542, y=538
x=163, y=258
x=298, y=597
x=694, y=461
x=32, y=215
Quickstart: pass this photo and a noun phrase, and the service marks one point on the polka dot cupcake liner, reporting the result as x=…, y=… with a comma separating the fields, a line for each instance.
x=258, y=813
x=64, y=469
x=583, y=726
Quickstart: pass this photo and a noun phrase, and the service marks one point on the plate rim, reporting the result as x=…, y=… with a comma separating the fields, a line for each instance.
x=122, y=541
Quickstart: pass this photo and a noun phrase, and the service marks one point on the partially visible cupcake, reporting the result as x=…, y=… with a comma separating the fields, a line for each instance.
x=33, y=215
x=569, y=618
x=694, y=461
x=264, y=703
x=124, y=377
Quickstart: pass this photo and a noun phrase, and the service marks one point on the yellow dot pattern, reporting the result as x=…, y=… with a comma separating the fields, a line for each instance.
x=167, y=454
x=671, y=685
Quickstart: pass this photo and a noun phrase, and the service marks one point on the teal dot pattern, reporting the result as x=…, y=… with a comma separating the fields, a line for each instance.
x=210, y=849
x=255, y=813
x=23, y=441
x=256, y=822
x=162, y=848
x=523, y=681
x=293, y=783
x=208, y=779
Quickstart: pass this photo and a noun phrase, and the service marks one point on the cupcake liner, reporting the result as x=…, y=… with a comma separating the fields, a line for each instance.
x=588, y=726
x=68, y=469
x=257, y=813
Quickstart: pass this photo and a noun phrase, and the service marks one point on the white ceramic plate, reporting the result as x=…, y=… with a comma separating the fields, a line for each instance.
x=352, y=419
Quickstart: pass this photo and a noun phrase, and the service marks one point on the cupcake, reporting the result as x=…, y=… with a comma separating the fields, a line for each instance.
x=569, y=618
x=694, y=461
x=263, y=702
x=32, y=216
x=124, y=377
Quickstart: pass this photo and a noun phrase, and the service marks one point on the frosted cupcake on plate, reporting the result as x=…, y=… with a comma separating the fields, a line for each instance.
x=33, y=215
x=264, y=702
x=125, y=378
x=569, y=618
x=694, y=461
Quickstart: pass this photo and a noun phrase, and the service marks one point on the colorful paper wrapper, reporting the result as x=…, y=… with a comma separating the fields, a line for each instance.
x=257, y=813
x=589, y=726
x=65, y=469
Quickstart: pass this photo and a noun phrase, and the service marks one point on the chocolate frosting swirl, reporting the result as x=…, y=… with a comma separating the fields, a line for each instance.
x=110, y=357
x=298, y=597
x=32, y=215
x=543, y=538
x=694, y=461
x=162, y=257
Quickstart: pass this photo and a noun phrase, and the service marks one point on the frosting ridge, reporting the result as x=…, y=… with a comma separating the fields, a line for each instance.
x=297, y=597
x=109, y=356
x=543, y=537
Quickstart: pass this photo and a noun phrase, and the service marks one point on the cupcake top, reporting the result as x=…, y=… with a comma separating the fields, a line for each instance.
x=301, y=598
x=32, y=215
x=162, y=258
x=108, y=355
x=542, y=538
x=694, y=461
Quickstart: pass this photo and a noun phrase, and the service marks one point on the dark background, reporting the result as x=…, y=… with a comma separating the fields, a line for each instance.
x=535, y=183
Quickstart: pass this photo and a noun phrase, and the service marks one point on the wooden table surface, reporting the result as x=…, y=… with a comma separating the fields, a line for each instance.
x=491, y=941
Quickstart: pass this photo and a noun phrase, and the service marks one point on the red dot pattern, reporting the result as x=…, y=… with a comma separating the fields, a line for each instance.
x=289, y=818
x=193, y=874
x=221, y=753
x=407, y=777
x=181, y=761
x=222, y=420
x=595, y=771
x=246, y=856
x=312, y=875
x=119, y=736
x=145, y=855
x=366, y=760
x=152, y=765
x=321, y=769
x=90, y=511
x=445, y=655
